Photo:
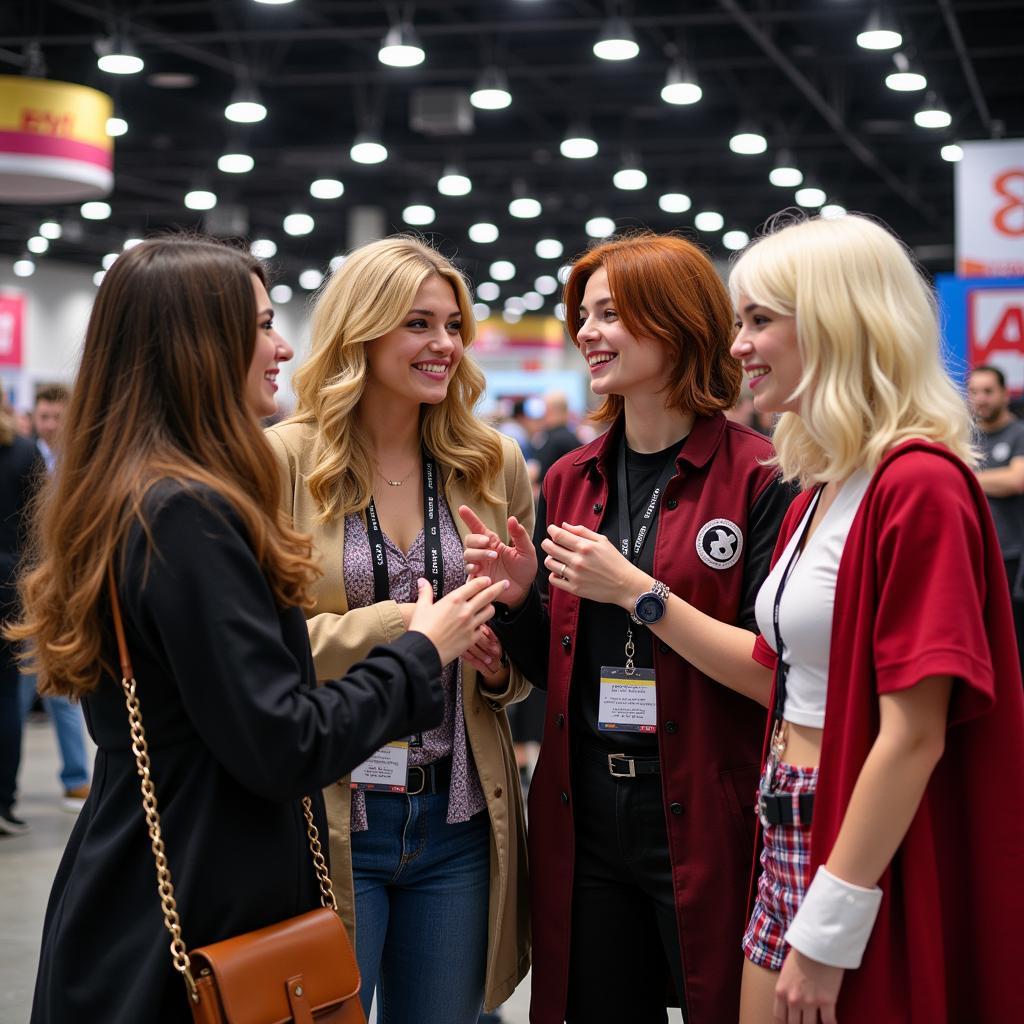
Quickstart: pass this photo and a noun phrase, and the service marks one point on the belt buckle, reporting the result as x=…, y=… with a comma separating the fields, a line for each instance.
x=631, y=774
x=409, y=791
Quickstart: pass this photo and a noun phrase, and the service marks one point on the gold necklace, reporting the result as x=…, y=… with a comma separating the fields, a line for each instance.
x=396, y=483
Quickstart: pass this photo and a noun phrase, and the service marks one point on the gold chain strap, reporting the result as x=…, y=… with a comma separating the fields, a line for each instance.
x=323, y=875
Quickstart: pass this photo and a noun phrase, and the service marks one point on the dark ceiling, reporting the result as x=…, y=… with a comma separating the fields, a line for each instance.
x=791, y=68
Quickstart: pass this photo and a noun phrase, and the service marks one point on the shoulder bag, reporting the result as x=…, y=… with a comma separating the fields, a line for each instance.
x=302, y=970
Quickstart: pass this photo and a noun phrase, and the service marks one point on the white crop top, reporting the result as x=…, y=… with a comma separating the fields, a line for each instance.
x=809, y=597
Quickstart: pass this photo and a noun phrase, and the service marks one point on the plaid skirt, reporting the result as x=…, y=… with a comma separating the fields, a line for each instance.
x=785, y=867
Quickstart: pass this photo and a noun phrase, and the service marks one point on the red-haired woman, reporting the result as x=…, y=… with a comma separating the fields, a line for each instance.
x=656, y=537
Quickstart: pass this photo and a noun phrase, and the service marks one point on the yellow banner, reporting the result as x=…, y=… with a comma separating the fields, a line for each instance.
x=36, y=106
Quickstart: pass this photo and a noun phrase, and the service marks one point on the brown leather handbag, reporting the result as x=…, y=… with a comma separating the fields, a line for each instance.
x=301, y=970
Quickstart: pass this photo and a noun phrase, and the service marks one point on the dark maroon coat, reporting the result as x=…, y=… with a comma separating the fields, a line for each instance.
x=709, y=737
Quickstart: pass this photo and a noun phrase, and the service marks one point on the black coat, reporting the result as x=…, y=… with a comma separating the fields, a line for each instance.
x=237, y=733
x=21, y=469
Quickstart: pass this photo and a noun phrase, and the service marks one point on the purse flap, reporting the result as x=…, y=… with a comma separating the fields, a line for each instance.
x=251, y=970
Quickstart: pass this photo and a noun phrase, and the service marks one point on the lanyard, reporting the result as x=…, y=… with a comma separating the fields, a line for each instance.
x=783, y=668
x=627, y=545
x=433, y=561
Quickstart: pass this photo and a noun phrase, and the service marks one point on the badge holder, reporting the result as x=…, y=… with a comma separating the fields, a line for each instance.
x=628, y=697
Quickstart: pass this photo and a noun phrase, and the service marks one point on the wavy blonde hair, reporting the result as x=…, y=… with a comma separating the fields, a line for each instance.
x=367, y=298
x=868, y=334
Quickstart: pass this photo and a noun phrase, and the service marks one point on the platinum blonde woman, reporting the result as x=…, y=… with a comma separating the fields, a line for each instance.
x=427, y=840
x=890, y=886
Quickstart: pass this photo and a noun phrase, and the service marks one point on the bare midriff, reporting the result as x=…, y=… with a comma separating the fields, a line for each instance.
x=802, y=745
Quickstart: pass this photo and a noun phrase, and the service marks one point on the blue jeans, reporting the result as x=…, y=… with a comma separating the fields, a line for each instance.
x=421, y=891
x=69, y=726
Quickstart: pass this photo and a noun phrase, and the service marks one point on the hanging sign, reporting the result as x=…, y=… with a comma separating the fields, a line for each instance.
x=54, y=146
x=990, y=209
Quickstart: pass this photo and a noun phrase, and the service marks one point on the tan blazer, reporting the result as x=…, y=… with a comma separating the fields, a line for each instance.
x=341, y=637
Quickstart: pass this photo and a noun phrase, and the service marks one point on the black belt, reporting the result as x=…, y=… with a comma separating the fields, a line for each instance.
x=622, y=767
x=786, y=808
x=430, y=778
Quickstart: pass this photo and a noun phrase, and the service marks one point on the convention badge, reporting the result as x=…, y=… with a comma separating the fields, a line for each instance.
x=628, y=701
x=386, y=771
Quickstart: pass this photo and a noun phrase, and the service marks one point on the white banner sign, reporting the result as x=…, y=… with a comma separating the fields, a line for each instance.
x=990, y=209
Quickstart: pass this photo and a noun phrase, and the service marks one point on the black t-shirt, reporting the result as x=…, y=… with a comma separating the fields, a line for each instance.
x=999, y=449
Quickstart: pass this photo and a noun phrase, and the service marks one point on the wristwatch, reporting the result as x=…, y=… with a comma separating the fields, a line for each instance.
x=650, y=605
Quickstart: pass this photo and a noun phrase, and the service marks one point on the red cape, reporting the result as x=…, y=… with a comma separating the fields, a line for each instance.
x=922, y=591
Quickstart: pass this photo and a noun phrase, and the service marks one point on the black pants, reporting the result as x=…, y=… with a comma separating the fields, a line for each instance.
x=1013, y=569
x=625, y=943
x=10, y=727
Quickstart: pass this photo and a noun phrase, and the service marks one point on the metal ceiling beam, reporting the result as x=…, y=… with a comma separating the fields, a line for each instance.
x=965, y=63
x=831, y=116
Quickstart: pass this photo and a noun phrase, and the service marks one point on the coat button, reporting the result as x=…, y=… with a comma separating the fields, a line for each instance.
x=672, y=503
x=597, y=507
x=676, y=809
x=664, y=649
x=566, y=642
x=497, y=791
x=560, y=721
x=565, y=797
x=671, y=727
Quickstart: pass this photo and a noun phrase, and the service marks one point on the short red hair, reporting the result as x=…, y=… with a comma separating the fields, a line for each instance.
x=666, y=289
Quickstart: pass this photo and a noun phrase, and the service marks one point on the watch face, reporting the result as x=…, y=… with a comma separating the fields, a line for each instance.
x=650, y=608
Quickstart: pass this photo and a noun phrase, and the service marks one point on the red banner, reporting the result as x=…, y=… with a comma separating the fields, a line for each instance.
x=12, y=321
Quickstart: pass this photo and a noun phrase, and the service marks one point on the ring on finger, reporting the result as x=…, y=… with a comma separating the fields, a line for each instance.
x=562, y=572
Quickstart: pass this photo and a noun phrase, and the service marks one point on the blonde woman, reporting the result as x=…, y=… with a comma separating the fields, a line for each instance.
x=890, y=887
x=427, y=842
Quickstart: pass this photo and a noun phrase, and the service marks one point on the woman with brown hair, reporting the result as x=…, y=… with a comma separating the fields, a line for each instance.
x=656, y=538
x=430, y=869
x=166, y=480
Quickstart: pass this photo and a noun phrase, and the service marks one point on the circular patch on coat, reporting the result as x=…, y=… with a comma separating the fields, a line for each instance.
x=1001, y=451
x=720, y=543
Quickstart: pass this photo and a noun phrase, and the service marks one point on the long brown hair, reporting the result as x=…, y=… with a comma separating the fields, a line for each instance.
x=160, y=395
x=666, y=289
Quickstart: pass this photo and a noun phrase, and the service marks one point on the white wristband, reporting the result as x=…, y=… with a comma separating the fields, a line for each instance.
x=834, y=922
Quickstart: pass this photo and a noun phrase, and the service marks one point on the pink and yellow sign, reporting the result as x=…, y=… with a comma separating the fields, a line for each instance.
x=54, y=146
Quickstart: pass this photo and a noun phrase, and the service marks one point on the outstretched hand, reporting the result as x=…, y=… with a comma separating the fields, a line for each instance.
x=486, y=553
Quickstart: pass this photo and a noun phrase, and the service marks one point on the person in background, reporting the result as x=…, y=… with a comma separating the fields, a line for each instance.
x=654, y=541
x=66, y=717
x=383, y=447
x=555, y=438
x=1001, y=475
x=890, y=889
x=166, y=486
x=20, y=470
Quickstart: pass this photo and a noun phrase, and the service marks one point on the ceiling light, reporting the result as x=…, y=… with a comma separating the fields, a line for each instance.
x=481, y=310
x=510, y=316
x=748, y=143
x=563, y=273
x=50, y=229
x=784, y=174
x=488, y=291
x=454, y=183
x=549, y=249
x=524, y=207
x=130, y=243
x=245, y=107
x=281, y=294
x=533, y=300
x=709, y=220
x=298, y=224
x=200, y=199
x=952, y=153
x=235, y=163
x=617, y=41
x=311, y=279
x=674, y=202
x=116, y=126
x=367, y=149
x=681, y=86
x=903, y=79
x=833, y=211
x=735, y=240
x=24, y=268
x=109, y=260
x=599, y=227
x=263, y=248
x=326, y=188
x=274, y=3
x=95, y=210
x=97, y=278
x=879, y=34
x=810, y=197
x=932, y=115
x=503, y=270
x=546, y=284
x=491, y=92
x=560, y=311
x=629, y=177
x=337, y=262
x=418, y=214
x=400, y=48
x=578, y=144
x=514, y=304
x=37, y=244
x=117, y=56
x=483, y=232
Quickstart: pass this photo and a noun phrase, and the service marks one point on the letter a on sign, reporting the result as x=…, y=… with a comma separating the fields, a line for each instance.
x=995, y=331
